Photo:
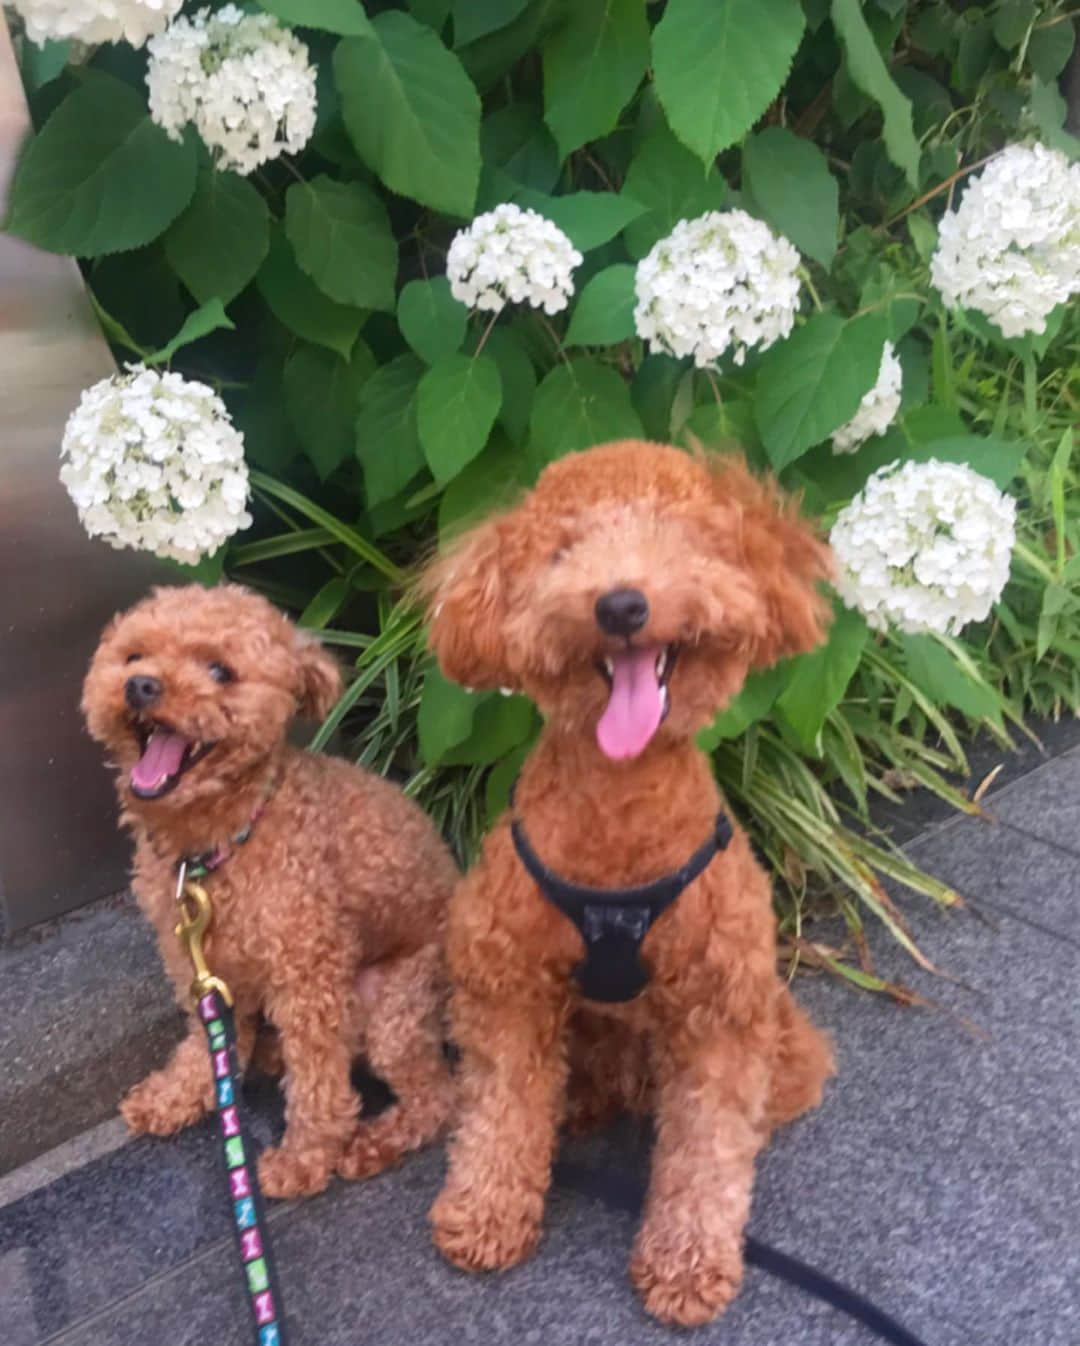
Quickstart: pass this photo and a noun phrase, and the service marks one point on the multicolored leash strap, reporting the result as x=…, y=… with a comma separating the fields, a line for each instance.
x=214, y=1003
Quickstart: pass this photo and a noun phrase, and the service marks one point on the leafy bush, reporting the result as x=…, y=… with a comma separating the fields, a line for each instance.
x=379, y=414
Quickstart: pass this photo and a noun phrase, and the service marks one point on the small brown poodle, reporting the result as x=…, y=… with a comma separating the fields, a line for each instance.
x=629, y=594
x=329, y=887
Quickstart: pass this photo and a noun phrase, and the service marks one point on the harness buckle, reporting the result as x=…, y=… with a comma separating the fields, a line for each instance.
x=196, y=913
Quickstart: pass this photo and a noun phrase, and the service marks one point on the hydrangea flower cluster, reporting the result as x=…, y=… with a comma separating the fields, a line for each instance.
x=93, y=21
x=877, y=410
x=925, y=547
x=153, y=462
x=1011, y=249
x=722, y=280
x=512, y=255
x=244, y=81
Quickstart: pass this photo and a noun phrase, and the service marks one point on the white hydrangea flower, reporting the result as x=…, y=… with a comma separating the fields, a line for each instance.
x=152, y=461
x=94, y=21
x=1011, y=249
x=924, y=547
x=877, y=410
x=512, y=256
x=244, y=81
x=723, y=280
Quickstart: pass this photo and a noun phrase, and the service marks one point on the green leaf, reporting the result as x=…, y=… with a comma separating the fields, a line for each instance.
x=593, y=64
x=1012, y=19
x=604, y=311
x=666, y=178
x=653, y=394
x=295, y=300
x=1057, y=601
x=518, y=380
x=431, y=319
x=923, y=434
x=456, y=406
x=387, y=441
x=321, y=395
x=432, y=12
x=515, y=141
x=813, y=382
x=580, y=404
x=998, y=459
x=587, y=218
x=934, y=671
x=412, y=112
x=753, y=703
x=490, y=58
x=218, y=244
x=487, y=483
x=207, y=571
x=1049, y=49
x=817, y=681
x=340, y=233
x=791, y=183
x=718, y=66
x=474, y=19
x=500, y=780
x=500, y=723
x=114, y=329
x=40, y=65
x=869, y=73
x=198, y=324
x=445, y=716
x=1048, y=111
x=332, y=16
x=975, y=56
x=99, y=177
x=349, y=537
x=325, y=604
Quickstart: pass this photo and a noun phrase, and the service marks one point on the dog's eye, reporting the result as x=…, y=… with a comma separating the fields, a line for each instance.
x=132, y=658
x=221, y=673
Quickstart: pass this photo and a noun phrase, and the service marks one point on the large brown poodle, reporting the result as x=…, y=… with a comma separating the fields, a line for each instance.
x=629, y=594
x=329, y=914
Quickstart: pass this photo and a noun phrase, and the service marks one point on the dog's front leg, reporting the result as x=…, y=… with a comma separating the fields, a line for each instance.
x=320, y=1102
x=687, y=1261
x=513, y=1082
x=176, y=1096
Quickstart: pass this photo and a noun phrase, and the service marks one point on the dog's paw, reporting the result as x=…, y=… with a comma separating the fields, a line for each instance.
x=372, y=1147
x=153, y=1108
x=479, y=1237
x=686, y=1287
x=285, y=1173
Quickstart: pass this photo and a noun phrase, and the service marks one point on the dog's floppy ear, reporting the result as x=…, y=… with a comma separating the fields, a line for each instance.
x=320, y=678
x=465, y=592
x=785, y=558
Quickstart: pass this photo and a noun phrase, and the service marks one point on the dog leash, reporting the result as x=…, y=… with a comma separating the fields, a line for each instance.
x=621, y=1192
x=215, y=1010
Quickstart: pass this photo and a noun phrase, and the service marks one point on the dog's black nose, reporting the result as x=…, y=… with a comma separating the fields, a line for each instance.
x=621, y=612
x=141, y=691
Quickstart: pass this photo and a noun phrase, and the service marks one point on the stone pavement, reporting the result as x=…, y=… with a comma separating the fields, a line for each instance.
x=941, y=1178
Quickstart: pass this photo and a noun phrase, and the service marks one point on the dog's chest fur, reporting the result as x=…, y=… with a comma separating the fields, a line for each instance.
x=625, y=825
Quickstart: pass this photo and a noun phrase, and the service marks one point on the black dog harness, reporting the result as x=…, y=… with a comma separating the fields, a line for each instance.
x=614, y=921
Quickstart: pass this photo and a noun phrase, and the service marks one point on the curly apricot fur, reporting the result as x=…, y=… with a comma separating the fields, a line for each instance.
x=328, y=922
x=715, y=1046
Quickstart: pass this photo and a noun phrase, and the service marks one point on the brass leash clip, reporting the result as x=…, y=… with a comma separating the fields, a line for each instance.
x=196, y=913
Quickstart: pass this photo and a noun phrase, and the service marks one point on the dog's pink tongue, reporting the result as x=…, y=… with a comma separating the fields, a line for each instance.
x=635, y=707
x=161, y=759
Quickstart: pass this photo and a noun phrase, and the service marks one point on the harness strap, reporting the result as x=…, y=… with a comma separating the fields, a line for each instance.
x=245, y=1199
x=614, y=921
